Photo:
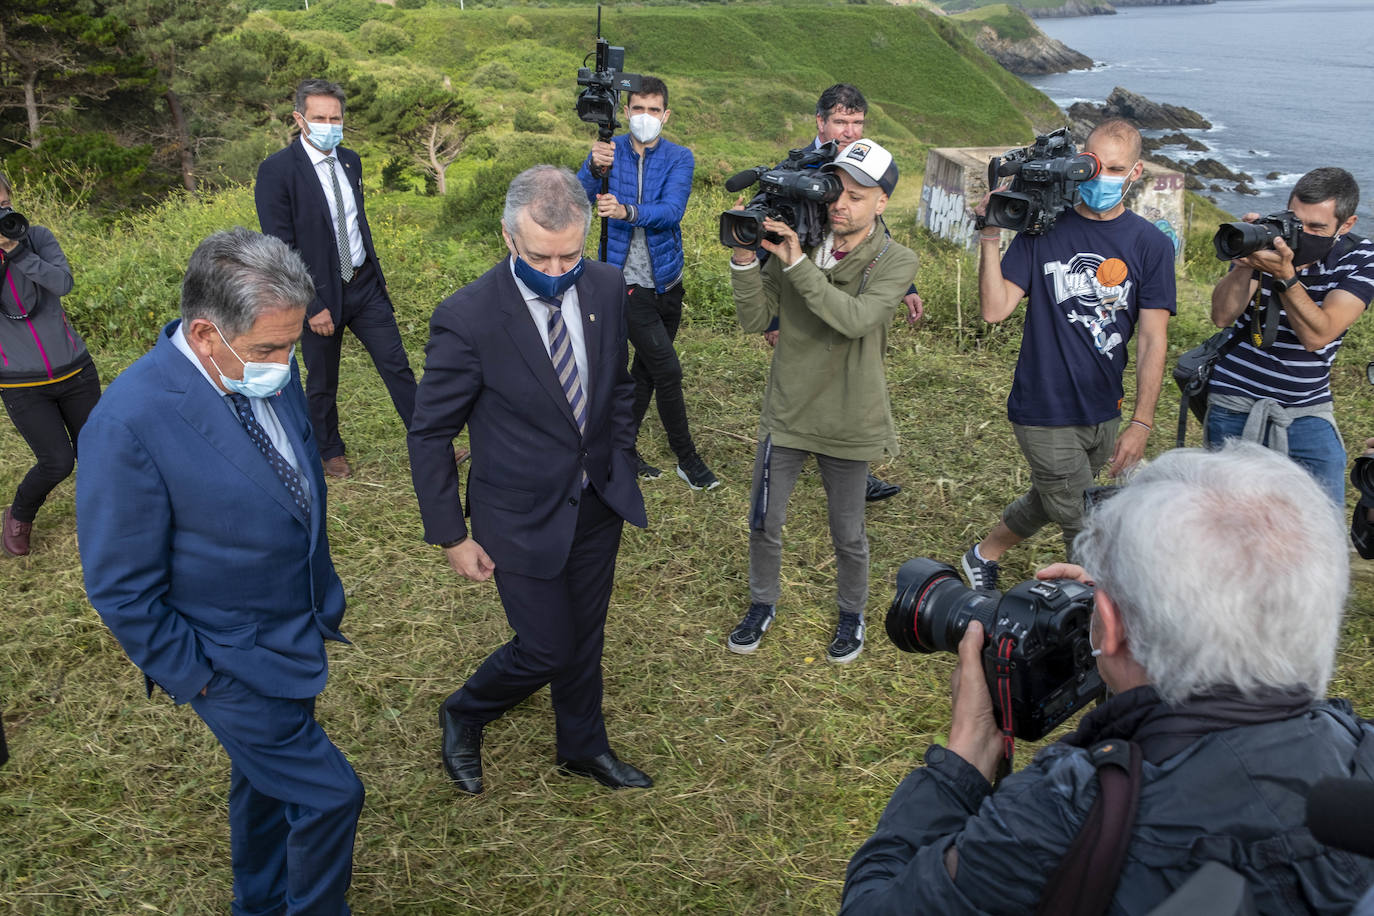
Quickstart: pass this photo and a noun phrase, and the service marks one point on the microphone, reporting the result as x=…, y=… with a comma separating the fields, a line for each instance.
x=741, y=180
x=1339, y=814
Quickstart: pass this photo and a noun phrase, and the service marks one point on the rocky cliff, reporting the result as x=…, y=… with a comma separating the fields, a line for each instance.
x=1101, y=7
x=1031, y=56
x=1140, y=111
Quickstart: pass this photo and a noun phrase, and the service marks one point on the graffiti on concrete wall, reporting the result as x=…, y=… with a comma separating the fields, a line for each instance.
x=947, y=214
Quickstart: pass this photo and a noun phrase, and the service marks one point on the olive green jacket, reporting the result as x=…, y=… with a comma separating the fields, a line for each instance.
x=827, y=391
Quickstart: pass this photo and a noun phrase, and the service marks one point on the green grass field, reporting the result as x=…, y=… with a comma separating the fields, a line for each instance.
x=770, y=769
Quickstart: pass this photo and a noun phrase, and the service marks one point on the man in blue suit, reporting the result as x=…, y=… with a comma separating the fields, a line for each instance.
x=201, y=518
x=310, y=195
x=531, y=358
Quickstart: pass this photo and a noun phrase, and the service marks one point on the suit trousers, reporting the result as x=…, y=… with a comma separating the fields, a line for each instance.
x=293, y=802
x=559, y=626
x=368, y=314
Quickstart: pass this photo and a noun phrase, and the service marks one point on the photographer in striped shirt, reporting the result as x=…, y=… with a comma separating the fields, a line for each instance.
x=1275, y=387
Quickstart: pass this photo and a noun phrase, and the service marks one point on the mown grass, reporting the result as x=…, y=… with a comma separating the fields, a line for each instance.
x=770, y=769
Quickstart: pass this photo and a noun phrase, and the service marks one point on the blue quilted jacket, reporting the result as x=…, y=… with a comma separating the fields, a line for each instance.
x=667, y=184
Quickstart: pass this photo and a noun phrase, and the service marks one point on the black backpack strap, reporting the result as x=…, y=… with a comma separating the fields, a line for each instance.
x=1086, y=879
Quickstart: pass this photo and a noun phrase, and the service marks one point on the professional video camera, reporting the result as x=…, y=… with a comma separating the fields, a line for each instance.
x=597, y=103
x=1044, y=180
x=1236, y=240
x=13, y=226
x=795, y=192
x=1037, y=658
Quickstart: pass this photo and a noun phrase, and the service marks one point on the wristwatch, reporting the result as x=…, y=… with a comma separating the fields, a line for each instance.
x=1283, y=286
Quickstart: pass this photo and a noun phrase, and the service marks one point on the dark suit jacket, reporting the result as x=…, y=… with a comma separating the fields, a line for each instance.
x=292, y=206
x=486, y=368
x=194, y=554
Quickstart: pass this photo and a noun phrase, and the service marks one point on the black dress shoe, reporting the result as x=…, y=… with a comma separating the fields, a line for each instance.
x=608, y=770
x=879, y=489
x=462, y=752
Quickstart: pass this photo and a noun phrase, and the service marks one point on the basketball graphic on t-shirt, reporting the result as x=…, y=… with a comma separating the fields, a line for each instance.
x=1112, y=272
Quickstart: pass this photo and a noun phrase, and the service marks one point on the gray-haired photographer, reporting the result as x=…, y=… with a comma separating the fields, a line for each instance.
x=48, y=381
x=1220, y=582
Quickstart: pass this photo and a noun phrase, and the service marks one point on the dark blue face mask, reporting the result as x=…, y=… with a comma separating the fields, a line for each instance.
x=541, y=283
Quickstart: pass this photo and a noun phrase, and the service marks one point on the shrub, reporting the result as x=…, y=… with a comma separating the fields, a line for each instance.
x=519, y=26
x=384, y=38
x=475, y=209
x=495, y=74
x=533, y=121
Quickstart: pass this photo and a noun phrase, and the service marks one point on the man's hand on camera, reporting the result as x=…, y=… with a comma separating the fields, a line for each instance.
x=973, y=731
x=1064, y=571
x=789, y=249
x=1276, y=261
x=1369, y=447
x=321, y=323
x=1130, y=448
x=7, y=245
x=603, y=154
x=608, y=206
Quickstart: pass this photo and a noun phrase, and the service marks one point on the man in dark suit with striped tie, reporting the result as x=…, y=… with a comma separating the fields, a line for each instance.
x=531, y=358
x=310, y=195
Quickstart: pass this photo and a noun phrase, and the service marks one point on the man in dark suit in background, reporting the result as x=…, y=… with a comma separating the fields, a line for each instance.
x=531, y=357
x=310, y=195
x=200, y=511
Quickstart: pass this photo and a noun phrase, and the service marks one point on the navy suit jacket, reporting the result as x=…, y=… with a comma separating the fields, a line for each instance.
x=486, y=368
x=292, y=206
x=194, y=553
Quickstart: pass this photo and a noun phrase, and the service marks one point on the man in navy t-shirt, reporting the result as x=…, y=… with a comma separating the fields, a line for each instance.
x=1279, y=392
x=1097, y=276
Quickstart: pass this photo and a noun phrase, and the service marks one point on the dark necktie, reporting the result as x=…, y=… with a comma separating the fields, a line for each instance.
x=564, y=362
x=340, y=223
x=284, y=470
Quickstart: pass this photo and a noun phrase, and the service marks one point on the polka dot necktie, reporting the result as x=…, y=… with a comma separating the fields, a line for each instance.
x=340, y=223
x=285, y=471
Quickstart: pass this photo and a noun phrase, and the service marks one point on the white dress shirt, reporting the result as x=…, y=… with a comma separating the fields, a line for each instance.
x=355, y=237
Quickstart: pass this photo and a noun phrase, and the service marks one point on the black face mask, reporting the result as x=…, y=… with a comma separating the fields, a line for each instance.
x=1312, y=248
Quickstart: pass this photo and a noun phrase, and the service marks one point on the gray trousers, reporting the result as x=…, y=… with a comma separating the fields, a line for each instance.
x=844, y=482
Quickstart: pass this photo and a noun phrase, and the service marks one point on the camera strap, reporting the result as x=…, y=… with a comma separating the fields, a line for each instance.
x=1005, y=647
x=872, y=264
x=1085, y=881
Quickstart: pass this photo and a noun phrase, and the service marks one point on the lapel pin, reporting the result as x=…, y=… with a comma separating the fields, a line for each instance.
x=591, y=317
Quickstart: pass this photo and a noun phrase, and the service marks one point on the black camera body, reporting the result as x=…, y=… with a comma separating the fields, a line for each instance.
x=599, y=101
x=1037, y=657
x=1236, y=240
x=795, y=192
x=13, y=226
x=1044, y=180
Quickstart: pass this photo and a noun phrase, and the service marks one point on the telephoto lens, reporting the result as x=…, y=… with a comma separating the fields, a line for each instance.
x=933, y=608
x=13, y=226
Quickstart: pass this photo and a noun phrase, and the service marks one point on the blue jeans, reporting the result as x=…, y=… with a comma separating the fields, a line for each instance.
x=1312, y=443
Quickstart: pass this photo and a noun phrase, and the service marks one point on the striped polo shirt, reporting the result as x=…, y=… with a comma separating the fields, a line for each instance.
x=1288, y=372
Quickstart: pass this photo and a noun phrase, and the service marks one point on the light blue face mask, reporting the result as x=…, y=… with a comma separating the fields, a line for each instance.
x=325, y=136
x=260, y=380
x=1103, y=192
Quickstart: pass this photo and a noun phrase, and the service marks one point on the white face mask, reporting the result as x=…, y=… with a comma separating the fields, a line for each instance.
x=645, y=127
x=260, y=380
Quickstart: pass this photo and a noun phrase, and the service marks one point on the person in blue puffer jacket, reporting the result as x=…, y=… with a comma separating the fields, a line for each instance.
x=649, y=180
x=48, y=381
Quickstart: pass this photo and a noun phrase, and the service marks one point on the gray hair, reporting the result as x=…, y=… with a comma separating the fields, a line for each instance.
x=236, y=276
x=310, y=87
x=550, y=196
x=1230, y=568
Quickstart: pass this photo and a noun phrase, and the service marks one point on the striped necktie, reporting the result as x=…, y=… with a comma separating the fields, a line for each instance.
x=564, y=363
x=340, y=223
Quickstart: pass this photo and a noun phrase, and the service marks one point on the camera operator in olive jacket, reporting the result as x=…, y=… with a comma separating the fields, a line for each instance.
x=48, y=381
x=826, y=394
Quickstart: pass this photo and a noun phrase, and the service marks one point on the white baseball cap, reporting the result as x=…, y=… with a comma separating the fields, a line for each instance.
x=868, y=164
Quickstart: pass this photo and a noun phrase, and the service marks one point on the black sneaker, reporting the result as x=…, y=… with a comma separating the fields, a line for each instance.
x=848, y=641
x=646, y=470
x=697, y=474
x=876, y=490
x=748, y=633
x=982, y=574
